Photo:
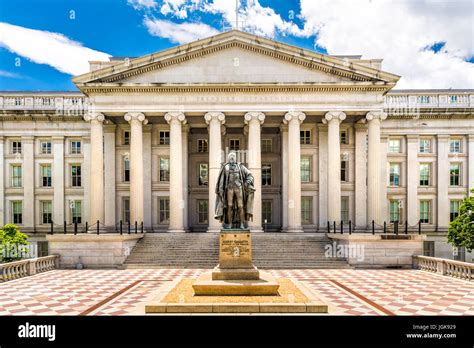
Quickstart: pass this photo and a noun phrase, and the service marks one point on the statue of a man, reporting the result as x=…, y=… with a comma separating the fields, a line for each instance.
x=234, y=190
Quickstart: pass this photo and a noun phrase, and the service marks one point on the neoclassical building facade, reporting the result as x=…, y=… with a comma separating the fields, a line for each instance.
x=326, y=137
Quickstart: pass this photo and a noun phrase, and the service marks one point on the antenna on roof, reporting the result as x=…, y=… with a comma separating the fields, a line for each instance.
x=237, y=14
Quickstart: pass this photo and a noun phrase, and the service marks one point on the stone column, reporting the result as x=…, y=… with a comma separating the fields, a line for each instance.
x=323, y=174
x=254, y=156
x=28, y=181
x=96, y=120
x=374, y=199
x=86, y=164
x=293, y=119
x=109, y=172
x=443, y=181
x=185, y=131
x=284, y=179
x=333, y=120
x=2, y=182
x=58, y=179
x=136, y=120
x=215, y=120
x=384, y=209
x=470, y=146
x=360, y=174
x=412, y=179
x=147, y=205
x=176, y=120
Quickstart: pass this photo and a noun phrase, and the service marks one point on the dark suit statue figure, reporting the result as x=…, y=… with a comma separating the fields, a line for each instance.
x=234, y=190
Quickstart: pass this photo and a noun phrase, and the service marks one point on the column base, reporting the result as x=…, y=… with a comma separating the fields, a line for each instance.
x=294, y=229
x=213, y=229
x=176, y=230
x=255, y=229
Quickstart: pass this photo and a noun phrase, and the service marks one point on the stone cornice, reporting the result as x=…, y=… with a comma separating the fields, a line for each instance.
x=247, y=88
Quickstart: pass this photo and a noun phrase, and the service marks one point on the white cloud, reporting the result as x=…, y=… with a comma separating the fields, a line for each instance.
x=4, y=73
x=179, y=33
x=399, y=31
x=49, y=48
x=141, y=4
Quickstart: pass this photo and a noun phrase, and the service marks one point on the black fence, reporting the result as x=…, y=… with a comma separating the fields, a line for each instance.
x=97, y=228
x=395, y=227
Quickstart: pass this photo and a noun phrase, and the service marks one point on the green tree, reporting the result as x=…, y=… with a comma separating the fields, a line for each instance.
x=461, y=230
x=12, y=243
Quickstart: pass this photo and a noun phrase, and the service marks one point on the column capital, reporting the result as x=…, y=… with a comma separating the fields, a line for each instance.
x=175, y=116
x=376, y=115
x=334, y=115
x=139, y=116
x=258, y=116
x=94, y=116
x=214, y=115
x=294, y=115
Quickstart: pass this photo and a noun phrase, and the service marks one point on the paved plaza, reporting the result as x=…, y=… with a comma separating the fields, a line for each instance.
x=347, y=291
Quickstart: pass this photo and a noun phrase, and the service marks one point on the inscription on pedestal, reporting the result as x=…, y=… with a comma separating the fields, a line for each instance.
x=235, y=249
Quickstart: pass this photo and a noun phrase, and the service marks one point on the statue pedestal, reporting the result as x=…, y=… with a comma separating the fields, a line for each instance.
x=236, y=274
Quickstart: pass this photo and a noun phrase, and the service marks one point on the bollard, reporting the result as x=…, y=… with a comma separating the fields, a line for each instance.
x=334, y=226
x=342, y=227
x=329, y=227
x=97, y=227
x=385, y=227
x=52, y=227
x=120, y=227
x=64, y=227
x=373, y=227
x=136, y=227
x=406, y=227
x=87, y=227
x=350, y=226
x=419, y=227
x=128, y=227
x=395, y=227
x=75, y=227
x=141, y=227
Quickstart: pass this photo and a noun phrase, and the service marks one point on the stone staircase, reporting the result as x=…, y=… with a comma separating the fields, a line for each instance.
x=201, y=250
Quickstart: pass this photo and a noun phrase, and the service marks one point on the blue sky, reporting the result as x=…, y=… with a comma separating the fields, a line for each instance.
x=44, y=43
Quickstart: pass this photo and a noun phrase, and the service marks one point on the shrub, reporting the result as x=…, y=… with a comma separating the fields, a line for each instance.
x=12, y=243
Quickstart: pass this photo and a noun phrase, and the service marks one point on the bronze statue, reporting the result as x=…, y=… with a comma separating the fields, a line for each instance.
x=234, y=190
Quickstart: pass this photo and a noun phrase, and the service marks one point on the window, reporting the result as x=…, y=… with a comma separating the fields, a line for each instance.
x=453, y=99
x=267, y=211
x=17, y=212
x=266, y=174
x=428, y=248
x=164, y=137
x=425, y=145
x=76, y=212
x=425, y=169
x=126, y=169
x=345, y=209
x=42, y=249
x=76, y=175
x=234, y=144
x=455, y=145
x=344, y=170
x=343, y=137
x=424, y=99
x=45, y=147
x=126, y=137
x=459, y=253
x=305, y=168
x=425, y=212
x=202, y=145
x=16, y=175
x=46, y=175
x=203, y=211
x=164, y=210
x=455, y=174
x=164, y=169
x=16, y=147
x=266, y=145
x=75, y=147
x=46, y=212
x=305, y=137
x=394, y=174
x=126, y=210
x=454, y=210
x=306, y=210
x=394, y=146
x=203, y=174
x=395, y=210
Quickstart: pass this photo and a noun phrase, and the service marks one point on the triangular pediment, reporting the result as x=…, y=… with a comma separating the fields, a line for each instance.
x=235, y=57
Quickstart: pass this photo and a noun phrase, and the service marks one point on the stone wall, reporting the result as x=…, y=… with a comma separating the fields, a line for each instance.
x=92, y=251
x=380, y=250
